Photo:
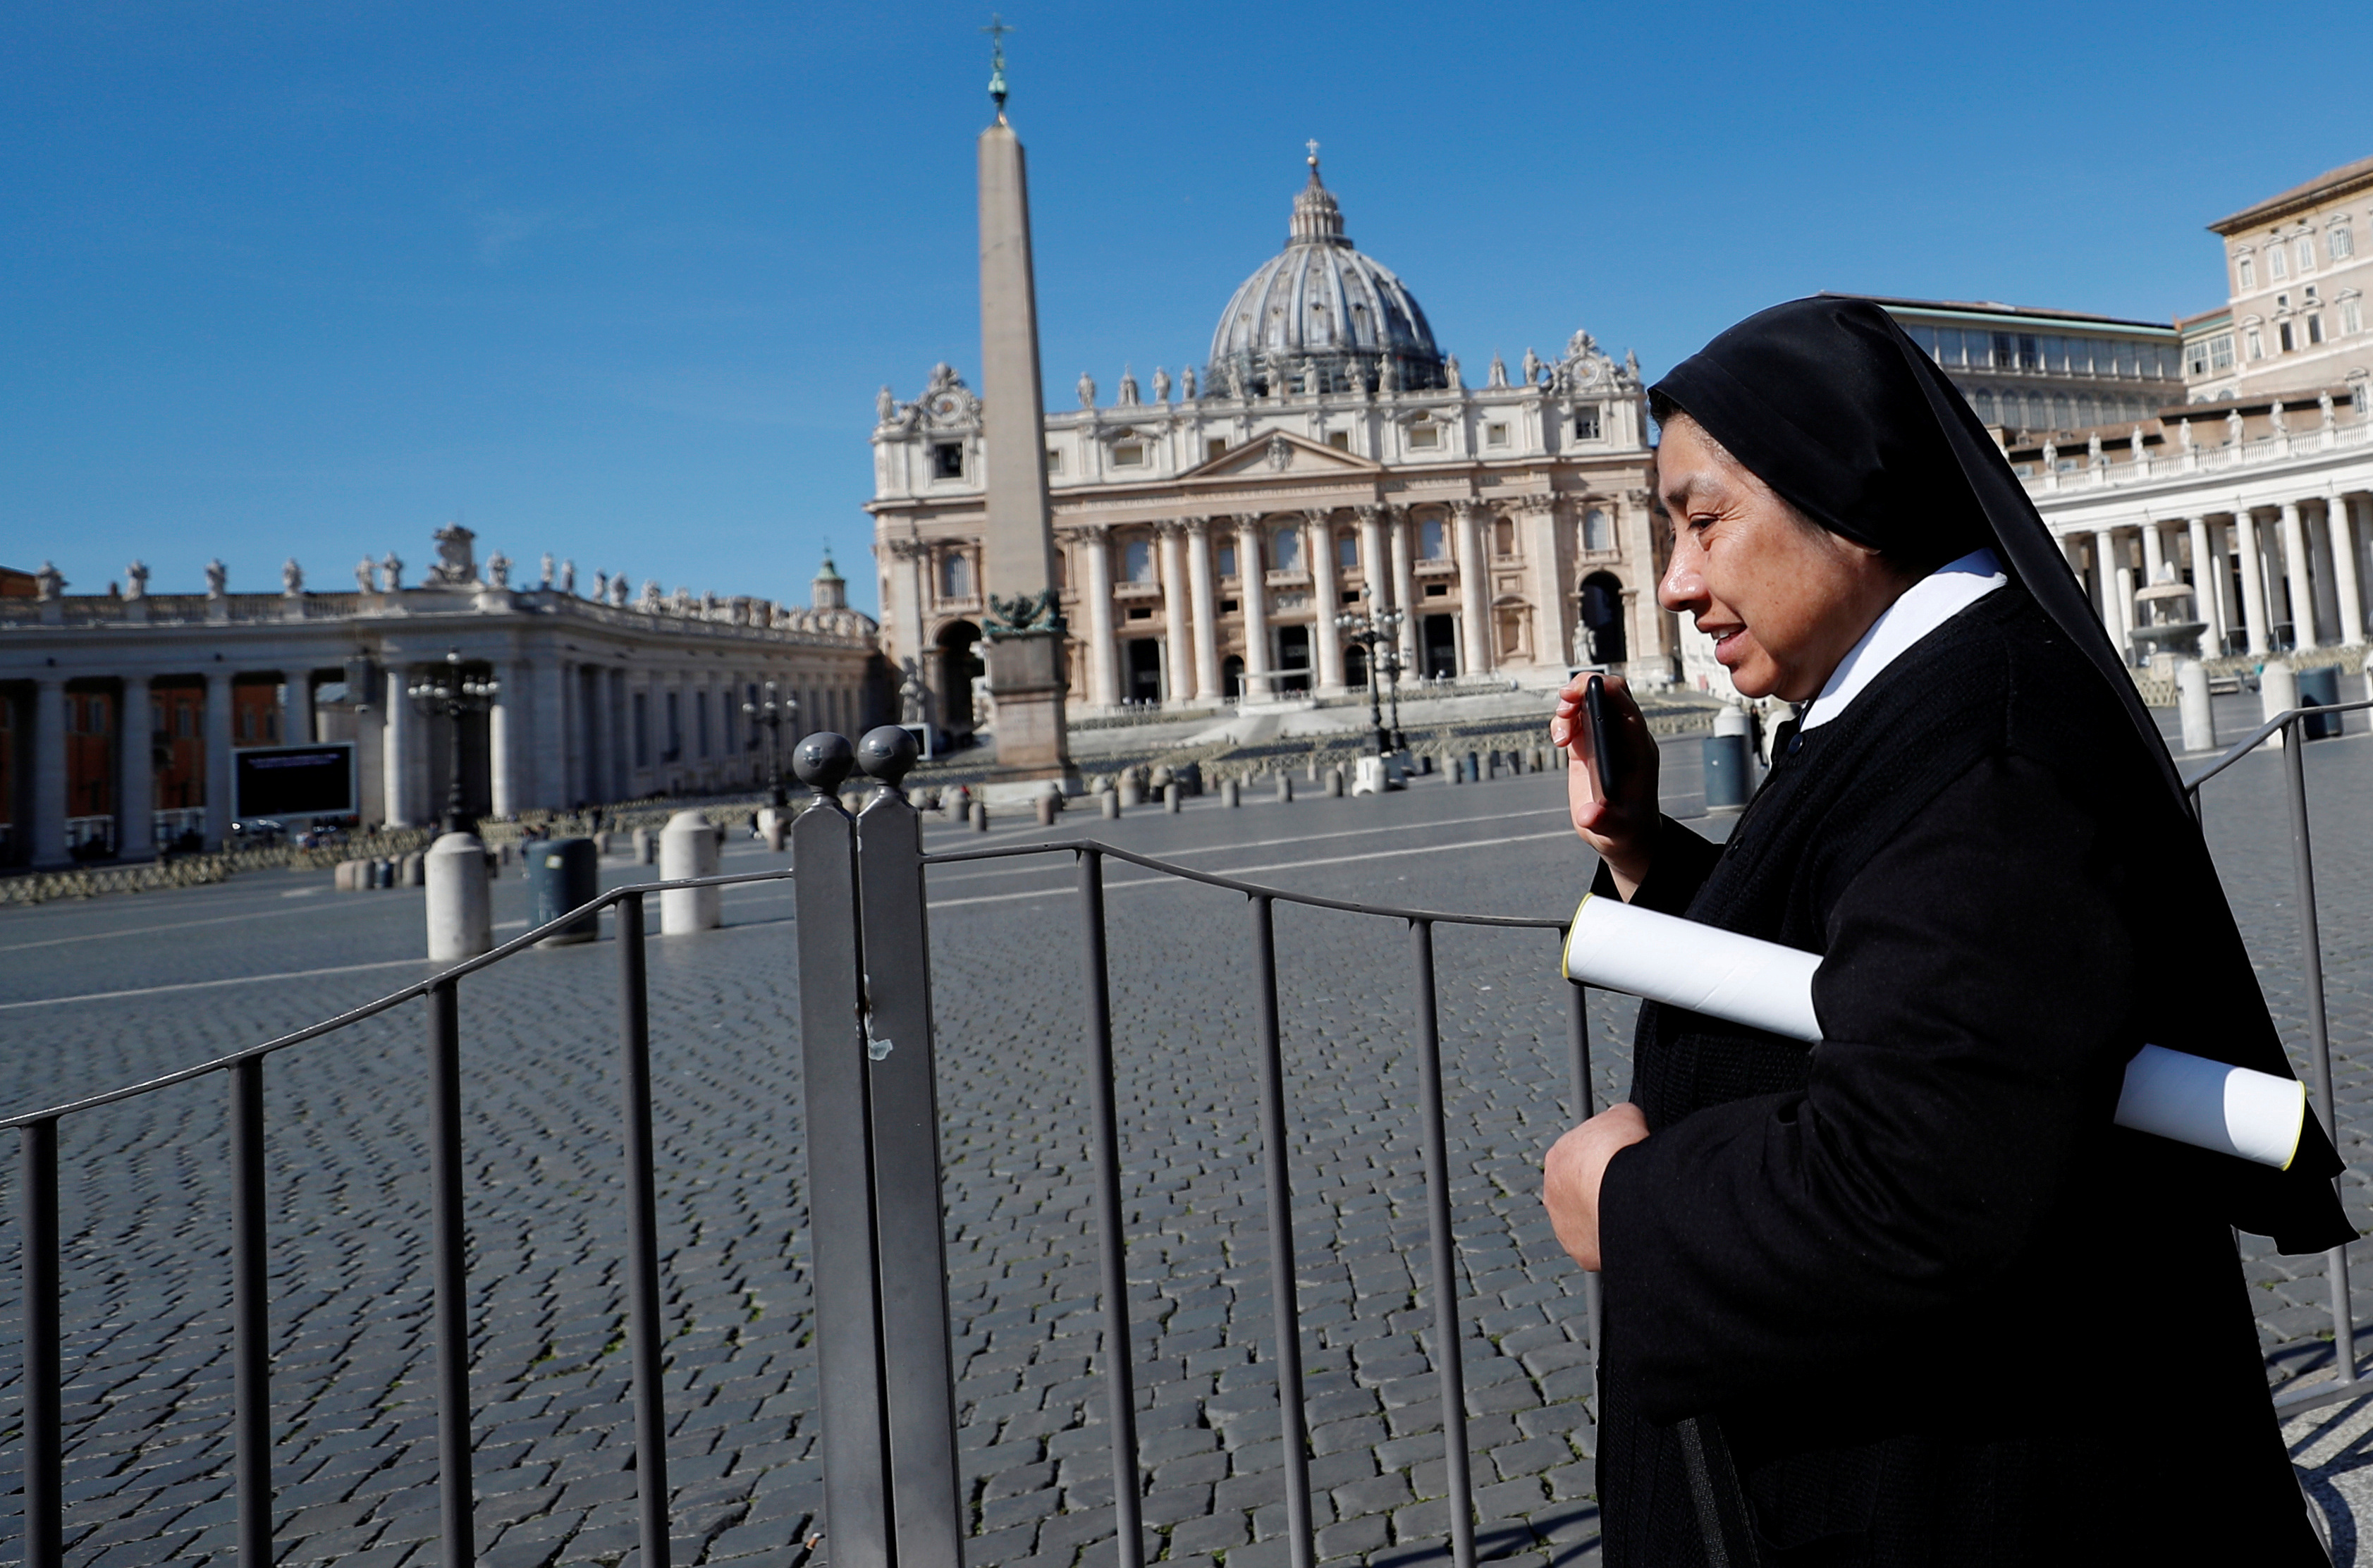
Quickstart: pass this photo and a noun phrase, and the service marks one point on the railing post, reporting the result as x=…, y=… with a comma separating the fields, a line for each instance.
x=1285, y=1303
x=1586, y=1106
x=1452, y=1366
x=455, y=1490
x=251, y=1316
x=37, y=1236
x=838, y=1122
x=2344, y=1312
x=1112, y=1241
x=926, y=1495
x=647, y=1332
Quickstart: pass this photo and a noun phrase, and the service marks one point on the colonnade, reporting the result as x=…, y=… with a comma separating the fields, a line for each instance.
x=2286, y=574
x=1198, y=600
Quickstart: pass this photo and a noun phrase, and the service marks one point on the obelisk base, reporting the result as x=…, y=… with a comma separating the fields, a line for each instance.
x=1026, y=677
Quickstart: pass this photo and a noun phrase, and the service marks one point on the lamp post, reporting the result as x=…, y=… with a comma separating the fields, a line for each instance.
x=1391, y=621
x=449, y=694
x=1371, y=630
x=771, y=713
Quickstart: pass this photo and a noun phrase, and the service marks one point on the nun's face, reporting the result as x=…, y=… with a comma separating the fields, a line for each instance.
x=1783, y=599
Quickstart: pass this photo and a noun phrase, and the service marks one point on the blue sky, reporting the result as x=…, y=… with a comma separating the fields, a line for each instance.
x=619, y=281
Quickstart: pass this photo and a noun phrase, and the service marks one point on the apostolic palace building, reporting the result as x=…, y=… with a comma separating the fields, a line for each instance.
x=1328, y=459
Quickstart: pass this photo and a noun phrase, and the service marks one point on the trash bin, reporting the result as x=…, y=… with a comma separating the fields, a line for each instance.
x=2318, y=688
x=1728, y=759
x=561, y=874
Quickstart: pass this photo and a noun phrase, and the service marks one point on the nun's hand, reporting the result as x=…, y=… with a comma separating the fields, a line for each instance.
x=1619, y=824
x=1573, y=1172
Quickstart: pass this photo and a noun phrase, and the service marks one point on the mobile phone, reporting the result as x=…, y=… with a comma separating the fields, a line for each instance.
x=1594, y=708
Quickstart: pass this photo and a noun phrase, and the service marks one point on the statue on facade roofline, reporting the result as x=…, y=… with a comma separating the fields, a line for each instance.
x=2281, y=426
x=1127, y=396
x=1160, y=386
x=2183, y=434
x=218, y=578
x=292, y=577
x=391, y=572
x=47, y=583
x=1388, y=374
x=601, y=587
x=651, y=604
x=885, y=405
x=547, y=584
x=1087, y=390
x=1186, y=383
x=499, y=570
x=1450, y=373
x=569, y=577
x=2323, y=406
x=1532, y=367
x=136, y=578
x=366, y=576
x=456, y=565
x=1498, y=374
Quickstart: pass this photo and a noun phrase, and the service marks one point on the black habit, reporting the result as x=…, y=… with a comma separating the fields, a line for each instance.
x=1907, y=1296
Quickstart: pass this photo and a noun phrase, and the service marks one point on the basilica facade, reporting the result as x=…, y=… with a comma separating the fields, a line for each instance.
x=1328, y=463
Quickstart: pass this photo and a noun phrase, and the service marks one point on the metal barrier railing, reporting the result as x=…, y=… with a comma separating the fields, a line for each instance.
x=2290, y=726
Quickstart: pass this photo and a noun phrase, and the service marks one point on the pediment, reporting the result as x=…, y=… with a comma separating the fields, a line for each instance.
x=1278, y=453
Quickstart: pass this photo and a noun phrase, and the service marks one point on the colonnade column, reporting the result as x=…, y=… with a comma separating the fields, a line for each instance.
x=395, y=747
x=2253, y=581
x=2341, y=525
x=135, y=830
x=2153, y=552
x=1325, y=595
x=620, y=785
x=49, y=837
x=219, y=801
x=1178, y=652
x=1397, y=523
x=1474, y=592
x=507, y=743
x=2296, y=574
x=2207, y=602
x=1252, y=594
x=1375, y=568
x=1206, y=605
x=1103, y=653
x=2122, y=583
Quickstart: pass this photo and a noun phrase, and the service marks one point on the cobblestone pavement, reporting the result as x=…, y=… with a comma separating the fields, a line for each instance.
x=144, y=1197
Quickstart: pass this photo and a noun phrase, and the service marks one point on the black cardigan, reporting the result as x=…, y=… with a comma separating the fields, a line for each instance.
x=1912, y=1282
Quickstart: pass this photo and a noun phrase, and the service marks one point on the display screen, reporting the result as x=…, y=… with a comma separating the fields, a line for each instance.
x=294, y=780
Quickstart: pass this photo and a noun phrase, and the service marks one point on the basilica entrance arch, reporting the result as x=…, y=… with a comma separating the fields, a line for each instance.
x=959, y=660
x=1602, y=620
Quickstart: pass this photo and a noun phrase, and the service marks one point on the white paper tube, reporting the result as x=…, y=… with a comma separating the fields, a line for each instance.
x=1742, y=979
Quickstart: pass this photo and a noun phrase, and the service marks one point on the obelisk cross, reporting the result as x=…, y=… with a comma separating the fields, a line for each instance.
x=997, y=30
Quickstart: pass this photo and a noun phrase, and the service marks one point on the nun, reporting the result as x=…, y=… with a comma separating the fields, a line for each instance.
x=1907, y=1296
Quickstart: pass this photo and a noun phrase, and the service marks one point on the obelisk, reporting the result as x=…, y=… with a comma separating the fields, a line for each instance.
x=1024, y=628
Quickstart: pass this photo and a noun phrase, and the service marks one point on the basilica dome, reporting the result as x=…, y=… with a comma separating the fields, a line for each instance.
x=1320, y=311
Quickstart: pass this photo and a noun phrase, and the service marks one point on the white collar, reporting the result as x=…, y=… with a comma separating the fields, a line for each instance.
x=1925, y=605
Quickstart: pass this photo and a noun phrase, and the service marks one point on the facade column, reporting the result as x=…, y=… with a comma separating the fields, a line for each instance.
x=1103, y=650
x=136, y=766
x=1325, y=595
x=602, y=739
x=1375, y=567
x=1397, y=523
x=2208, y=604
x=49, y=835
x=507, y=733
x=1474, y=592
x=2340, y=523
x=2253, y=581
x=219, y=801
x=2299, y=577
x=395, y=741
x=1206, y=604
x=2153, y=552
x=1252, y=595
x=1551, y=625
x=1178, y=652
x=2326, y=571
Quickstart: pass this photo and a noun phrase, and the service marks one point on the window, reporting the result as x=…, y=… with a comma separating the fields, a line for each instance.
x=1983, y=402
x=1424, y=438
x=1227, y=560
x=1503, y=538
x=2220, y=352
x=2283, y=335
x=1137, y=560
x=1054, y=461
x=2255, y=342
x=1340, y=440
x=2315, y=329
x=947, y=459
x=1347, y=551
x=955, y=574
x=2342, y=242
x=1129, y=454
x=2055, y=353
x=1495, y=435
x=1432, y=540
x=1586, y=423
x=2352, y=316
x=1214, y=446
x=2277, y=265
x=1285, y=549
x=1598, y=532
x=2306, y=249
x=2249, y=271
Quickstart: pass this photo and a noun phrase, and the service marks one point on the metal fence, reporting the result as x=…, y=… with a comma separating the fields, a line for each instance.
x=892, y=1487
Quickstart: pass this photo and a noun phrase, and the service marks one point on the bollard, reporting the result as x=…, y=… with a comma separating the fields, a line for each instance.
x=771, y=825
x=1170, y=797
x=1335, y=783
x=460, y=911
x=342, y=877
x=382, y=873
x=1231, y=794
x=2191, y=702
x=2278, y=691
x=1727, y=759
x=1457, y=770
x=1129, y=792
x=1310, y=768
x=1285, y=789
x=980, y=816
x=601, y=844
x=688, y=849
x=1474, y=768
x=563, y=874
x=645, y=849
x=413, y=870
x=1046, y=805
x=1111, y=799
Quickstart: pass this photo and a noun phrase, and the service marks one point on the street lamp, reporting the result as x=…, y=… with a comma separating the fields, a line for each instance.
x=772, y=713
x=1391, y=621
x=449, y=694
x=1370, y=630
